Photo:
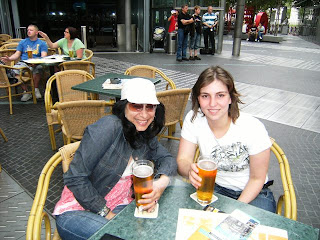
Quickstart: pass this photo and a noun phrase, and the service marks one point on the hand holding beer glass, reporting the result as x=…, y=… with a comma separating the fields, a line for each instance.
x=207, y=171
x=142, y=171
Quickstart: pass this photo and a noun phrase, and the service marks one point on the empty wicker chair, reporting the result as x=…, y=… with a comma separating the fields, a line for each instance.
x=77, y=115
x=64, y=80
x=80, y=65
x=175, y=102
x=37, y=215
x=13, y=45
x=149, y=72
x=22, y=79
x=52, y=51
x=89, y=55
x=288, y=198
x=4, y=37
x=14, y=40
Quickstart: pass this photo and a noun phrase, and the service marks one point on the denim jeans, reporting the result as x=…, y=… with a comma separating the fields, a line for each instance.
x=74, y=225
x=182, y=44
x=195, y=41
x=264, y=200
x=260, y=34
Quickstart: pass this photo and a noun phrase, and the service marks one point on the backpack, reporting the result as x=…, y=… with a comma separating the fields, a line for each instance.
x=10, y=73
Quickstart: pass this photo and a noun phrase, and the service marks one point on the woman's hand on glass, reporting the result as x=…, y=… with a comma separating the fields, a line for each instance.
x=193, y=176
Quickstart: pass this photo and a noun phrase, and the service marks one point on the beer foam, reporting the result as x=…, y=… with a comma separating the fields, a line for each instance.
x=207, y=165
x=143, y=171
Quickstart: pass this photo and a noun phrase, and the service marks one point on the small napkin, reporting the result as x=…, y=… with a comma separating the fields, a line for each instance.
x=194, y=197
x=145, y=214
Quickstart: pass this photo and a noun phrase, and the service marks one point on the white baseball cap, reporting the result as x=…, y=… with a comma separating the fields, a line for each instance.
x=139, y=90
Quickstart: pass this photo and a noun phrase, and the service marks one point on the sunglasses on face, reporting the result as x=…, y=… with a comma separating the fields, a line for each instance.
x=136, y=107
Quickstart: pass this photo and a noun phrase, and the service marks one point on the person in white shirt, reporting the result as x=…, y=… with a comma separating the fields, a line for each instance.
x=237, y=141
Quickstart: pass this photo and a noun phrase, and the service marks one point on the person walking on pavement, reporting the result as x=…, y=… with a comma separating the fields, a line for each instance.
x=184, y=20
x=209, y=21
x=195, y=34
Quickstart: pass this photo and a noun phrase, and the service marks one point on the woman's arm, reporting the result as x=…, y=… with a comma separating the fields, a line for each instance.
x=259, y=165
x=50, y=44
x=79, y=53
x=186, y=167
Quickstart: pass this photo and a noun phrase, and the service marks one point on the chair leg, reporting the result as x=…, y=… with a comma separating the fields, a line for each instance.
x=4, y=136
x=10, y=100
x=52, y=137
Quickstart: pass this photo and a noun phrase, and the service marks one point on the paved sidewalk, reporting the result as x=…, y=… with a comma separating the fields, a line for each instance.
x=280, y=85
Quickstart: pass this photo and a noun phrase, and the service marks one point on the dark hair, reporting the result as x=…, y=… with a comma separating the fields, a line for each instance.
x=134, y=137
x=73, y=32
x=208, y=76
x=183, y=6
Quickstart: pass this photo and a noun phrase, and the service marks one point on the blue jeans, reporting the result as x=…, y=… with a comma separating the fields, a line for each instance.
x=260, y=34
x=74, y=225
x=195, y=41
x=182, y=44
x=264, y=200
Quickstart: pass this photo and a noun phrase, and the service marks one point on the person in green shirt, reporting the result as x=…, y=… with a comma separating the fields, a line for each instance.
x=68, y=43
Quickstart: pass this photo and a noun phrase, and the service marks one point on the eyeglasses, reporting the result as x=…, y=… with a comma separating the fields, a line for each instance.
x=135, y=107
x=66, y=32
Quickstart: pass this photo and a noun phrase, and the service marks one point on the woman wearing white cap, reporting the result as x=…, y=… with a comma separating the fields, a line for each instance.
x=98, y=183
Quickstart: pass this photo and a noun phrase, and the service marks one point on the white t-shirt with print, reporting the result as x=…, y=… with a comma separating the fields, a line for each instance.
x=247, y=136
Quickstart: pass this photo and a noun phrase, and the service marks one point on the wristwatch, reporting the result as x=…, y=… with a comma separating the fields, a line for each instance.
x=104, y=211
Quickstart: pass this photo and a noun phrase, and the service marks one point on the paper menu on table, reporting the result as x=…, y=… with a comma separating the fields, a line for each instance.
x=189, y=220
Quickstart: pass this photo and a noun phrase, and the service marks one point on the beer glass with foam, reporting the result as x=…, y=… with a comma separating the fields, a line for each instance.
x=29, y=51
x=207, y=171
x=142, y=171
x=70, y=52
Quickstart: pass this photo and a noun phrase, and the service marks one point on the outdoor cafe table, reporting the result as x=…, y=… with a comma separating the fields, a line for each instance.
x=176, y=196
x=95, y=85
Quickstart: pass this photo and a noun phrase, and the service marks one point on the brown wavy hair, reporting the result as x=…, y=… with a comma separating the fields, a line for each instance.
x=208, y=76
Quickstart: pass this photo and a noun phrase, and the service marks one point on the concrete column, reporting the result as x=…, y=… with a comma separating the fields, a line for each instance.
x=128, y=24
x=238, y=28
x=221, y=26
x=146, y=26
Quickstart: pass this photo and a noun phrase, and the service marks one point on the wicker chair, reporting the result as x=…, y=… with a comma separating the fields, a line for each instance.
x=89, y=55
x=22, y=79
x=287, y=200
x=12, y=45
x=64, y=156
x=4, y=37
x=52, y=51
x=149, y=72
x=77, y=115
x=175, y=102
x=4, y=136
x=64, y=80
x=80, y=65
x=9, y=52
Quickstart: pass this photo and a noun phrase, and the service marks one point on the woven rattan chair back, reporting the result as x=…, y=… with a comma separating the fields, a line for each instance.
x=9, y=52
x=77, y=115
x=80, y=65
x=22, y=79
x=14, y=40
x=37, y=214
x=4, y=37
x=287, y=201
x=89, y=55
x=149, y=72
x=52, y=51
x=69, y=78
x=175, y=102
x=13, y=45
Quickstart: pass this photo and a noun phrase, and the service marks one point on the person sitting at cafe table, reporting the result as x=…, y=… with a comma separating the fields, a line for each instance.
x=39, y=49
x=237, y=141
x=98, y=183
x=69, y=42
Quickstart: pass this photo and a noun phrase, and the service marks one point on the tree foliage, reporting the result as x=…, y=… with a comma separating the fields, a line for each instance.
x=263, y=5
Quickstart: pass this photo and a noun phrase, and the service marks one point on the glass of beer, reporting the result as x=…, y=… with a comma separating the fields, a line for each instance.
x=207, y=171
x=142, y=171
x=70, y=53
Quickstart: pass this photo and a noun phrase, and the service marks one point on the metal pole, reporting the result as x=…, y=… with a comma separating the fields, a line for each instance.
x=146, y=26
x=221, y=26
x=128, y=24
x=84, y=35
x=238, y=28
x=137, y=40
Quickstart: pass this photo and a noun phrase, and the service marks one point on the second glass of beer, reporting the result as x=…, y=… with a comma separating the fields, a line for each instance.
x=142, y=178
x=208, y=172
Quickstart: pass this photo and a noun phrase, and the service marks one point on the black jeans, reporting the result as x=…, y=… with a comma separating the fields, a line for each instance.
x=209, y=34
